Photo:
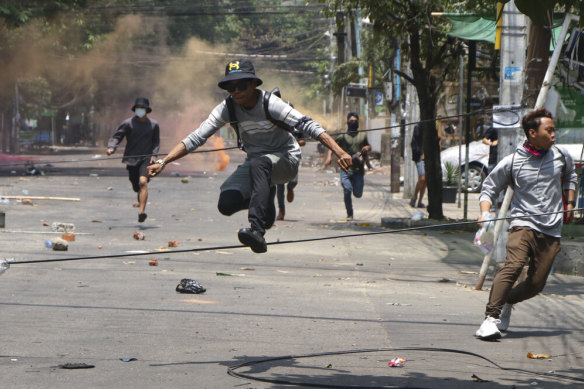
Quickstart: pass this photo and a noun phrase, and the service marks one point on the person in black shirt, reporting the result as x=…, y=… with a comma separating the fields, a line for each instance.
x=491, y=138
x=142, y=144
x=418, y=158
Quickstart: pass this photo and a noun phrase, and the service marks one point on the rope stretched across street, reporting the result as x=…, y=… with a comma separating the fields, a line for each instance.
x=4, y=264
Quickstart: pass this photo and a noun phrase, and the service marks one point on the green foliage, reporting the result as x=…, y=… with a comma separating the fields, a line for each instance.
x=35, y=96
x=344, y=74
x=18, y=12
x=451, y=174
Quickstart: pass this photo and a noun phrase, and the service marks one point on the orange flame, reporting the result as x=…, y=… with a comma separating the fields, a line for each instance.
x=220, y=158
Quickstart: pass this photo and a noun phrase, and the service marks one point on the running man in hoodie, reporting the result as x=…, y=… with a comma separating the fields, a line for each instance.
x=540, y=174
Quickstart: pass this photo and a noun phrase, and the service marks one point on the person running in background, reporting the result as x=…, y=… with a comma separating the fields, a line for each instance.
x=418, y=158
x=142, y=144
x=356, y=144
x=491, y=138
x=289, y=189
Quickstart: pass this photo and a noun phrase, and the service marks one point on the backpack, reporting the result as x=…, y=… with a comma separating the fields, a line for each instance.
x=283, y=125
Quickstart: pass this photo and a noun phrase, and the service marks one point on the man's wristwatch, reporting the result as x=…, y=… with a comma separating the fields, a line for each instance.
x=161, y=162
x=571, y=202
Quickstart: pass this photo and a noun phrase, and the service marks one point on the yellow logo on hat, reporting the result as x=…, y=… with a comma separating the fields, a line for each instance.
x=234, y=65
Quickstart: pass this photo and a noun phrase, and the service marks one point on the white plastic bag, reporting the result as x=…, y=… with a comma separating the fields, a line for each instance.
x=485, y=237
x=419, y=215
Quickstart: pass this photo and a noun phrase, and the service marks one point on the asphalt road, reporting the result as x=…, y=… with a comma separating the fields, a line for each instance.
x=344, y=307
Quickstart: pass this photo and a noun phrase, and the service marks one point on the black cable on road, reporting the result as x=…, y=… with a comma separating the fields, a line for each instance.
x=212, y=248
x=231, y=370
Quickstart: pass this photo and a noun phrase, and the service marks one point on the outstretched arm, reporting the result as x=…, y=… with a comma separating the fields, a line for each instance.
x=345, y=160
x=177, y=152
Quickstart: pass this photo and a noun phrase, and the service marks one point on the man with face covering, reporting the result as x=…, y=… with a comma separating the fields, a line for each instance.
x=355, y=143
x=142, y=144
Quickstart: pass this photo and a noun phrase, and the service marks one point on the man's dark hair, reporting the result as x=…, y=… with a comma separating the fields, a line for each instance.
x=352, y=114
x=533, y=120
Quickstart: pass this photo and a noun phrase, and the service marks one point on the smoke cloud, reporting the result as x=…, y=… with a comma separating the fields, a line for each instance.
x=134, y=60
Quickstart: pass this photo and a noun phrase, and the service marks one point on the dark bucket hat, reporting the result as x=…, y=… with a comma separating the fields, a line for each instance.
x=143, y=102
x=238, y=70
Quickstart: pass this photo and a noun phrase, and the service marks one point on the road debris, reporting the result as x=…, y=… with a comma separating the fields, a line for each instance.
x=4, y=265
x=68, y=237
x=187, y=285
x=538, y=356
x=396, y=362
x=476, y=378
x=63, y=227
x=76, y=366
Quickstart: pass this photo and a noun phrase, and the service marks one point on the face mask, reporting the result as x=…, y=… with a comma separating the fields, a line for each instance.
x=140, y=112
x=353, y=126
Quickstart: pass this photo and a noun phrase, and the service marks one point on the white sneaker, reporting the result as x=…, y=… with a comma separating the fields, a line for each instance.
x=505, y=317
x=489, y=330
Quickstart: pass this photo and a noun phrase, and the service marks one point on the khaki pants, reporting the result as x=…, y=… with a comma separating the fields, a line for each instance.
x=524, y=247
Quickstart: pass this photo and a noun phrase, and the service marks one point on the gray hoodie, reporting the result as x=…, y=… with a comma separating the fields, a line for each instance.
x=538, y=182
x=259, y=135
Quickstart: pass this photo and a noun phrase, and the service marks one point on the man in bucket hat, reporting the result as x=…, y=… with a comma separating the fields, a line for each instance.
x=273, y=154
x=142, y=144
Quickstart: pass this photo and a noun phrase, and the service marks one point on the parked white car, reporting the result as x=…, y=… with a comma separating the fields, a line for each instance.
x=477, y=166
x=479, y=161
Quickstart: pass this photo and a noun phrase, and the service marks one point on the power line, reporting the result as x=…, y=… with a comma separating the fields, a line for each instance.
x=199, y=10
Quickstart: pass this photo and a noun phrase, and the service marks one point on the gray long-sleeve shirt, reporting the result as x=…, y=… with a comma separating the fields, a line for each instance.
x=538, y=183
x=142, y=139
x=259, y=135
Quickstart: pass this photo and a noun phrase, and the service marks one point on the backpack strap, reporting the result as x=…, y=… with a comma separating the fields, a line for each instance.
x=563, y=166
x=279, y=123
x=233, y=120
x=564, y=161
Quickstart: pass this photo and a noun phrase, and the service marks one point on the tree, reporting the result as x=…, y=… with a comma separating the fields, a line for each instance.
x=432, y=56
x=15, y=13
x=75, y=55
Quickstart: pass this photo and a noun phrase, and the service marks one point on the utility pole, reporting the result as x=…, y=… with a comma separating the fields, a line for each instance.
x=472, y=54
x=15, y=121
x=395, y=131
x=340, y=34
x=511, y=79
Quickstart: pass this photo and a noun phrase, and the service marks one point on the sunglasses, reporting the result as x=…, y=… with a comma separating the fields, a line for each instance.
x=241, y=85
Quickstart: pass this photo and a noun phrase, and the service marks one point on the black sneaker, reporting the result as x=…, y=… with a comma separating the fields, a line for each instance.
x=142, y=217
x=253, y=239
